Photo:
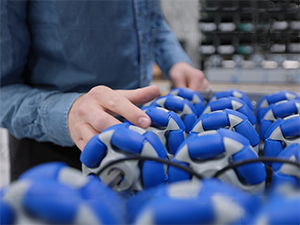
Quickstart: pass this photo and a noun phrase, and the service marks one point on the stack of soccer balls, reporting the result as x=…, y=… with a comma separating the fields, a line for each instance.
x=197, y=163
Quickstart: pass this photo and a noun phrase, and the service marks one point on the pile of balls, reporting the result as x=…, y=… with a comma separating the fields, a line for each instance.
x=214, y=161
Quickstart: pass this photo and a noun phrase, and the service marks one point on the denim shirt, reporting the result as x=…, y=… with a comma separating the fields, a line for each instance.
x=54, y=51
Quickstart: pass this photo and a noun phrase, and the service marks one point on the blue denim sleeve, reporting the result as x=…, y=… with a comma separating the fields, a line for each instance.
x=37, y=114
x=25, y=111
x=168, y=50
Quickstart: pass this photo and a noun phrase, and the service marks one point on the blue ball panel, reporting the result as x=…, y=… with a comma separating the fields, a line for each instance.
x=7, y=214
x=247, y=112
x=177, y=119
x=152, y=174
x=182, y=211
x=291, y=127
x=223, y=94
x=52, y=201
x=94, y=188
x=199, y=96
x=201, y=147
x=185, y=93
x=128, y=140
x=104, y=214
x=93, y=152
x=46, y=170
x=176, y=137
x=156, y=143
x=233, y=135
x=213, y=121
x=284, y=211
x=285, y=109
x=251, y=203
x=280, y=179
x=260, y=112
x=263, y=127
x=96, y=191
x=158, y=117
x=272, y=98
x=223, y=103
x=277, y=97
x=176, y=174
x=199, y=108
x=287, y=153
x=248, y=102
x=252, y=173
x=270, y=130
x=189, y=121
x=247, y=130
x=272, y=148
x=173, y=103
x=228, y=93
x=192, y=107
x=235, y=113
x=193, y=134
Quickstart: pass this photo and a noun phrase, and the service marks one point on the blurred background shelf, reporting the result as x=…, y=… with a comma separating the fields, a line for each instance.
x=250, y=41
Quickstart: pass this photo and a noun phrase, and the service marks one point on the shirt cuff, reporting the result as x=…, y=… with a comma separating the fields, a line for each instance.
x=179, y=56
x=169, y=55
x=54, y=113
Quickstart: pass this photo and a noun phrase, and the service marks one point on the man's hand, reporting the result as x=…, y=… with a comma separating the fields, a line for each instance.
x=94, y=111
x=184, y=75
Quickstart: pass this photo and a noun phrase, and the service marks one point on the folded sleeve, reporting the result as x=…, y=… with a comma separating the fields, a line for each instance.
x=168, y=50
x=27, y=112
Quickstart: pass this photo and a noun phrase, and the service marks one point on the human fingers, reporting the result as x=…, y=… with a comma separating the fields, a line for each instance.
x=81, y=132
x=87, y=118
x=141, y=95
x=99, y=119
x=204, y=85
x=195, y=79
x=86, y=132
x=117, y=103
x=178, y=79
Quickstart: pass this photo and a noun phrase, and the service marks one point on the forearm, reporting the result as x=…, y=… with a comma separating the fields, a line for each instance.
x=37, y=114
x=168, y=50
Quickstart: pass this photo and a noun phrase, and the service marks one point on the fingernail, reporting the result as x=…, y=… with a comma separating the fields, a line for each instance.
x=143, y=122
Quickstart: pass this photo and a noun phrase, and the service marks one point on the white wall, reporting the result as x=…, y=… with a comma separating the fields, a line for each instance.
x=183, y=16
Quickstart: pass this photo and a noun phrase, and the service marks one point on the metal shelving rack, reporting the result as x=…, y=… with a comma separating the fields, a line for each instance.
x=250, y=41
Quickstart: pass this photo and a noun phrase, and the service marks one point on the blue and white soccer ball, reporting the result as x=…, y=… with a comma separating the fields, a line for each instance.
x=228, y=119
x=54, y=193
x=167, y=126
x=283, y=205
x=276, y=111
x=193, y=96
x=279, y=210
x=267, y=100
x=281, y=134
x=201, y=202
x=182, y=107
x=231, y=103
x=286, y=176
x=118, y=142
x=233, y=93
x=211, y=151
